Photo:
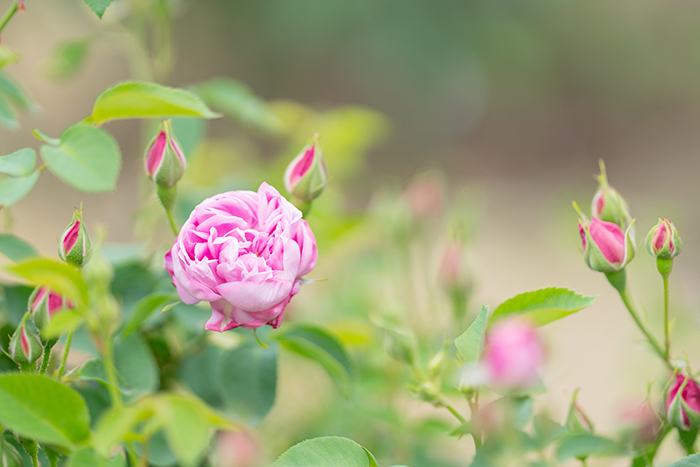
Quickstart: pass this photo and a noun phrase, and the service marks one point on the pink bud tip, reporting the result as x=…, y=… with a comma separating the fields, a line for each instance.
x=690, y=394
x=71, y=236
x=513, y=354
x=24, y=341
x=610, y=240
x=155, y=153
x=39, y=297
x=301, y=166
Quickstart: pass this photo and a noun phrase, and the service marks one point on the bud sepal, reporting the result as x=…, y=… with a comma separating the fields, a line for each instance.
x=25, y=346
x=607, y=204
x=663, y=240
x=74, y=246
x=165, y=160
x=307, y=176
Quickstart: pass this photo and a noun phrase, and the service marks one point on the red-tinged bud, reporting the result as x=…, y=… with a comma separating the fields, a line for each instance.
x=663, y=240
x=307, y=176
x=74, y=245
x=607, y=204
x=605, y=247
x=238, y=449
x=165, y=160
x=44, y=304
x=513, y=354
x=20, y=5
x=683, y=403
x=25, y=346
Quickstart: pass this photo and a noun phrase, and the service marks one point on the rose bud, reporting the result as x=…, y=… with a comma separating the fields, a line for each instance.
x=513, y=354
x=643, y=424
x=306, y=176
x=607, y=204
x=663, y=240
x=165, y=160
x=605, y=247
x=44, y=303
x=683, y=404
x=74, y=246
x=25, y=346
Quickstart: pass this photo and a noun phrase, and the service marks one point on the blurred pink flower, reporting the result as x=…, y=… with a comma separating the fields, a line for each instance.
x=245, y=253
x=513, y=354
x=238, y=449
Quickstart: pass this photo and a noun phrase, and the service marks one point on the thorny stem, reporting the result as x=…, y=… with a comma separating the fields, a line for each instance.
x=47, y=356
x=8, y=15
x=619, y=281
x=65, y=354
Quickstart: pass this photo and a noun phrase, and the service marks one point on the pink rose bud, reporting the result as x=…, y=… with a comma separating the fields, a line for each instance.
x=644, y=422
x=74, y=245
x=165, y=161
x=683, y=403
x=245, y=253
x=663, y=240
x=607, y=204
x=306, y=176
x=513, y=354
x=605, y=247
x=238, y=449
x=25, y=346
x=425, y=196
x=44, y=303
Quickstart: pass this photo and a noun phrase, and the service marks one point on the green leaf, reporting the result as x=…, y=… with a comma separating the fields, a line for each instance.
x=135, y=99
x=136, y=364
x=8, y=119
x=87, y=457
x=98, y=6
x=40, y=408
x=247, y=380
x=12, y=90
x=7, y=56
x=19, y=164
x=321, y=346
x=67, y=58
x=15, y=248
x=62, y=322
x=187, y=425
x=236, y=100
x=470, y=343
x=87, y=159
x=64, y=279
x=143, y=309
x=690, y=461
x=116, y=424
x=586, y=444
x=328, y=451
x=13, y=189
x=542, y=306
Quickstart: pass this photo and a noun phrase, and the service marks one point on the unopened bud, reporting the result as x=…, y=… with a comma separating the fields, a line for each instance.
x=606, y=248
x=25, y=346
x=607, y=203
x=165, y=160
x=44, y=303
x=307, y=176
x=683, y=403
x=74, y=245
x=663, y=240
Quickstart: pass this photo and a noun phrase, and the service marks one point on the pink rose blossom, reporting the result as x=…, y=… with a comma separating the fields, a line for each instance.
x=245, y=253
x=513, y=354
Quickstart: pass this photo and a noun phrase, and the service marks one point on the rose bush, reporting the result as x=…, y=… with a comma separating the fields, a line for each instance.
x=245, y=253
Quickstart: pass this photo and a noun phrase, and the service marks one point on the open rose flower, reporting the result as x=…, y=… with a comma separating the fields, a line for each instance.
x=245, y=253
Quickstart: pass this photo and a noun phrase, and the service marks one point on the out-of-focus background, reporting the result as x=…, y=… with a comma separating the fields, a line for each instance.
x=509, y=105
